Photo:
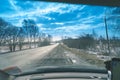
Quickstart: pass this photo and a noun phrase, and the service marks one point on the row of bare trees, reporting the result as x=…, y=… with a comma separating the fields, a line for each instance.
x=82, y=42
x=27, y=35
x=89, y=42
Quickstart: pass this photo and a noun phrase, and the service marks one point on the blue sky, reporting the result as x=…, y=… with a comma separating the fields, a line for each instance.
x=57, y=19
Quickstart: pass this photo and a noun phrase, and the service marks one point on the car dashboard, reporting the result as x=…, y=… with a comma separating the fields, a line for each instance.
x=64, y=76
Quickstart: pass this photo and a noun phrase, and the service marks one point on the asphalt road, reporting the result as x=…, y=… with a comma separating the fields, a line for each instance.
x=43, y=56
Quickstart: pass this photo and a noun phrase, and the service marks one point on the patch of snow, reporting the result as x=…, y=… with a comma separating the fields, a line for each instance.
x=74, y=61
x=92, y=52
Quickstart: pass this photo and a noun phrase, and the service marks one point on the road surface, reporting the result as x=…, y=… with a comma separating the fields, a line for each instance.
x=43, y=56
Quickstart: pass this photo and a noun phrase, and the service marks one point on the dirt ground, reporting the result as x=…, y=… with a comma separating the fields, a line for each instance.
x=91, y=58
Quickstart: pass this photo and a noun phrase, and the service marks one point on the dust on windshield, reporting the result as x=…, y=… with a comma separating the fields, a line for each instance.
x=35, y=34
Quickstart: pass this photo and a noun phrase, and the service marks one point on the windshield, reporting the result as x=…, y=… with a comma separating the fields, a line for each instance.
x=35, y=34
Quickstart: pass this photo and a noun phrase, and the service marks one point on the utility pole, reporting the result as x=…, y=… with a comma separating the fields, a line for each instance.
x=106, y=29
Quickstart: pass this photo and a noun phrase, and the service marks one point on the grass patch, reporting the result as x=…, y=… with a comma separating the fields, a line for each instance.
x=90, y=58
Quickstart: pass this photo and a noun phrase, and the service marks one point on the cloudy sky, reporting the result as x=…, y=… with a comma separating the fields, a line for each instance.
x=57, y=19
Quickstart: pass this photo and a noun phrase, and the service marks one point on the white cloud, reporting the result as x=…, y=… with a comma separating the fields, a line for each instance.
x=56, y=38
x=58, y=23
x=59, y=8
x=40, y=10
x=13, y=4
x=46, y=8
x=40, y=26
x=87, y=20
x=19, y=23
x=78, y=27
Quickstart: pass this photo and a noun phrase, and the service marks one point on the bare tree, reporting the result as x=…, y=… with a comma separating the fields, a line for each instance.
x=21, y=37
x=11, y=37
x=8, y=34
x=83, y=42
x=31, y=30
x=34, y=31
x=3, y=26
